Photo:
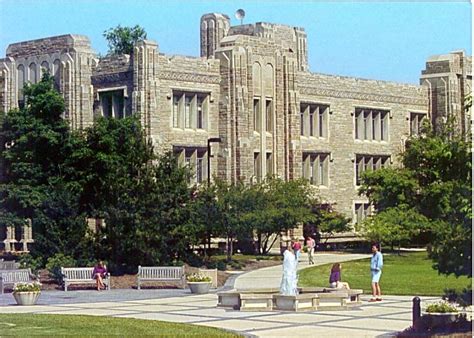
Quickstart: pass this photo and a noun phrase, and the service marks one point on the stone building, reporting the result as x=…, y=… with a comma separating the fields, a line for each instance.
x=253, y=89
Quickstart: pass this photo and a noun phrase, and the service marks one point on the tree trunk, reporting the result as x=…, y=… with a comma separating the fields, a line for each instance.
x=229, y=249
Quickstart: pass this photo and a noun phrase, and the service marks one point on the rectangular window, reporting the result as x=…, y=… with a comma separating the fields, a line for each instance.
x=269, y=164
x=257, y=168
x=367, y=163
x=189, y=110
x=416, y=122
x=175, y=111
x=362, y=211
x=302, y=123
x=112, y=103
x=195, y=159
x=311, y=122
x=321, y=122
x=256, y=115
x=315, y=168
x=200, y=115
x=313, y=119
x=269, y=116
x=371, y=124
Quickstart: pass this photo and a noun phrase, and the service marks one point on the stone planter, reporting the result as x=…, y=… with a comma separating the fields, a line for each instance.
x=199, y=287
x=26, y=298
x=436, y=319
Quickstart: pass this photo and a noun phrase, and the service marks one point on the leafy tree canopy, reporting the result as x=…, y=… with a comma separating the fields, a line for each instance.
x=122, y=39
x=432, y=191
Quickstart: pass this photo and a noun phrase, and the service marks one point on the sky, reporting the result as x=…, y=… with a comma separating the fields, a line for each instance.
x=376, y=40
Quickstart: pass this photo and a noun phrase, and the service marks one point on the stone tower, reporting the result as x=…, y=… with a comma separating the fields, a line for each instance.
x=68, y=58
x=214, y=27
x=449, y=79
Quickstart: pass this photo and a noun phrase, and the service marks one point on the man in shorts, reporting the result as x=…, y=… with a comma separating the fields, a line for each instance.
x=376, y=263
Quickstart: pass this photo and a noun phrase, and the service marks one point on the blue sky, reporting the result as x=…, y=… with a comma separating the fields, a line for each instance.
x=377, y=40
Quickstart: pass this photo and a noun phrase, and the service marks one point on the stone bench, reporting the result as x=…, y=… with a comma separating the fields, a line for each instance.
x=353, y=295
x=15, y=276
x=332, y=300
x=256, y=302
x=301, y=302
x=81, y=275
x=231, y=298
x=160, y=274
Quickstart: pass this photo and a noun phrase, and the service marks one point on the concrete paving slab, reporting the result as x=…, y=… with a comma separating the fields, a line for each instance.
x=369, y=320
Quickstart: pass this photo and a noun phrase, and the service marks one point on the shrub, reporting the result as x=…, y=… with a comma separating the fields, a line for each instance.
x=28, y=261
x=441, y=307
x=55, y=263
x=27, y=287
x=197, y=277
x=463, y=298
x=221, y=266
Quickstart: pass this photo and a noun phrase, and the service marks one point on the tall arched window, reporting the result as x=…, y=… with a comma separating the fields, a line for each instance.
x=44, y=68
x=32, y=73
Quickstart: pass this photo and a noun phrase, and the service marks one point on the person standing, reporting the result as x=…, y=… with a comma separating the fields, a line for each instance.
x=297, y=250
x=376, y=264
x=310, y=244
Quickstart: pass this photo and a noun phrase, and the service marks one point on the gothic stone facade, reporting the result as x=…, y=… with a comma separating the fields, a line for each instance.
x=252, y=88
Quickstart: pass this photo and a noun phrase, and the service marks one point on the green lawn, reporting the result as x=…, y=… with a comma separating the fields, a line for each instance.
x=410, y=274
x=25, y=325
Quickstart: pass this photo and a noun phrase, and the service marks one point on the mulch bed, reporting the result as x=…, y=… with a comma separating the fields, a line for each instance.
x=130, y=281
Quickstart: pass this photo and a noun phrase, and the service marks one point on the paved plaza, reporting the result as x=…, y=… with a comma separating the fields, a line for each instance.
x=369, y=320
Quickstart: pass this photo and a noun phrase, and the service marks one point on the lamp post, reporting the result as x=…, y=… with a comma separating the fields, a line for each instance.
x=209, y=141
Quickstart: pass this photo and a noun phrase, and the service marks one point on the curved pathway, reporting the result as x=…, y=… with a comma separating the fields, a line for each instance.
x=271, y=277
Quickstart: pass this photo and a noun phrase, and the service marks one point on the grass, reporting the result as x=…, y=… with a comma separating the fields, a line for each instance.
x=26, y=325
x=410, y=274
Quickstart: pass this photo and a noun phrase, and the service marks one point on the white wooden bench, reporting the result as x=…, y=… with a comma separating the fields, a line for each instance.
x=160, y=274
x=81, y=275
x=9, y=265
x=15, y=276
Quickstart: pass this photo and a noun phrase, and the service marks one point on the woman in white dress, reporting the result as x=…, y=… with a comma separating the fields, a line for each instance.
x=289, y=280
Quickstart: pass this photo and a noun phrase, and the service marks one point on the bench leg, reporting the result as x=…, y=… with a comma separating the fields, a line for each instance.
x=65, y=286
x=138, y=285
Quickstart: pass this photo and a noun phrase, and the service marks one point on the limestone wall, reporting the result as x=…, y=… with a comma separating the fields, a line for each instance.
x=344, y=95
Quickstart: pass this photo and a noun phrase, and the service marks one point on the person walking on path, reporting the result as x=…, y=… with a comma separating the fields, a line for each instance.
x=297, y=249
x=310, y=244
x=376, y=264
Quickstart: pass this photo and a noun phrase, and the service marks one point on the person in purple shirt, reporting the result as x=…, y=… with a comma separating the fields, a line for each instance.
x=335, y=277
x=99, y=273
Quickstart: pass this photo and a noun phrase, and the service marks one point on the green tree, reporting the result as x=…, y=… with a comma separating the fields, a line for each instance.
x=435, y=186
x=329, y=222
x=278, y=206
x=144, y=199
x=122, y=39
x=35, y=143
x=394, y=225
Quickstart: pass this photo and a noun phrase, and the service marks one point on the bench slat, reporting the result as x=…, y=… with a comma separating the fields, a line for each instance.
x=160, y=273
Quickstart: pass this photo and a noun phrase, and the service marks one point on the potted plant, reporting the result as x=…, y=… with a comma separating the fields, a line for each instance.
x=440, y=314
x=26, y=293
x=199, y=283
